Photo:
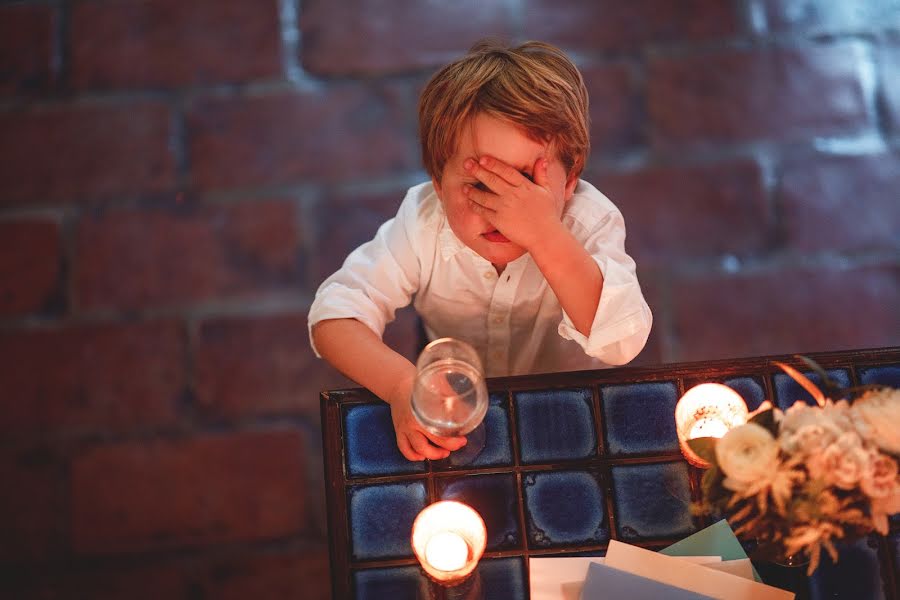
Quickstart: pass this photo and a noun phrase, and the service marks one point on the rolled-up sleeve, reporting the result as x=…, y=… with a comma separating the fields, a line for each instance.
x=623, y=319
x=376, y=279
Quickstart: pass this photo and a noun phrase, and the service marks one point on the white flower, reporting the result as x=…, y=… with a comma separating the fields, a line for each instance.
x=882, y=508
x=881, y=480
x=833, y=417
x=876, y=415
x=845, y=462
x=808, y=440
x=748, y=455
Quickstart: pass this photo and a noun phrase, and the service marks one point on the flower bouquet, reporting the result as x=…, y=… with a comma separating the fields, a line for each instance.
x=798, y=481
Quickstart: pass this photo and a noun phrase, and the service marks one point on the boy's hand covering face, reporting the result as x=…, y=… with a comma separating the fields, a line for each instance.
x=521, y=209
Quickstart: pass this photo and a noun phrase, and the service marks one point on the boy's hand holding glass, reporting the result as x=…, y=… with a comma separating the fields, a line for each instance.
x=522, y=208
x=414, y=441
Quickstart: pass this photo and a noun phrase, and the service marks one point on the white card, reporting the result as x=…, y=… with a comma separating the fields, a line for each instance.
x=561, y=578
x=697, y=578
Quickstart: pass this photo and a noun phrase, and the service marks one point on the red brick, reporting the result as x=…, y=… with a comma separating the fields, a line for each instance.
x=302, y=573
x=204, y=490
x=676, y=213
x=67, y=154
x=816, y=17
x=845, y=203
x=166, y=43
x=142, y=579
x=280, y=376
x=382, y=36
x=344, y=222
x=890, y=86
x=32, y=505
x=26, y=45
x=788, y=311
x=91, y=377
x=748, y=95
x=341, y=132
x=614, y=25
x=146, y=258
x=29, y=266
x=615, y=109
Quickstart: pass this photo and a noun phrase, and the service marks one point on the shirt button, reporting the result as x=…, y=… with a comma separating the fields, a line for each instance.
x=497, y=354
x=498, y=320
x=488, y=275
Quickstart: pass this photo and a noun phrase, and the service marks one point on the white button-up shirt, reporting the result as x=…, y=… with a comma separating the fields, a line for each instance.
x=513, y=320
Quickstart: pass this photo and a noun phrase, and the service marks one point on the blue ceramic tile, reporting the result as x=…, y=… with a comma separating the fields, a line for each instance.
x=750, y=388
x=564, y=507
x=495, y=499
x=371, y=445
x=885, y=375
x=381, y=518
x=396, y=583
x=555, y=425
x=497, y=449
x=788, y=391
x=857, y=574
x=640, y=417
x=503, y=579
x=652, y=501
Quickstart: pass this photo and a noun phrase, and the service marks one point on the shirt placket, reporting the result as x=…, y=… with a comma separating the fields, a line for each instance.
x=499, y=320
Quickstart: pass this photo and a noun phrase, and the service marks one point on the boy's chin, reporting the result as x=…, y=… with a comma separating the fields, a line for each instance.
x=500, y=253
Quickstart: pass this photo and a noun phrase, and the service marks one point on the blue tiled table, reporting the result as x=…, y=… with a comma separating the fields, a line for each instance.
x=572, y=460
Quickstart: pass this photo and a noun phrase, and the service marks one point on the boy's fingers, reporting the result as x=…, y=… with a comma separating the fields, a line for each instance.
x=540, y=172
x=509, y=174
x=420, y=444
x=450, y=443
x=479, y=197
x=495, y=182
x=406, y=450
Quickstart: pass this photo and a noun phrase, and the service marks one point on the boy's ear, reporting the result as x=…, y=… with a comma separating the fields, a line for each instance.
x=571, y=182
x=437, y=186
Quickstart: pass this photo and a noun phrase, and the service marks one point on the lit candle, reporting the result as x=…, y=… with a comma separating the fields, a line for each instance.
x=448, y=538
x=708, y=428
x=446, y=551
x=707, y=410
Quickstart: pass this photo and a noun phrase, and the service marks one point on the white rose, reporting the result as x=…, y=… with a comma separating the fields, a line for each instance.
x=876, y=415
x=845, y=462
x=809, y=439
x=748, y=456
x=834, y=417
x=881, y=480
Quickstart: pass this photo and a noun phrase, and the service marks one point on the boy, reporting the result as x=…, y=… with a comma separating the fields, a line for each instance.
x=505, y=248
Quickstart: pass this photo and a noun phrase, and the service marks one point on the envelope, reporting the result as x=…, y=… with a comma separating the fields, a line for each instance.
x=676, y=572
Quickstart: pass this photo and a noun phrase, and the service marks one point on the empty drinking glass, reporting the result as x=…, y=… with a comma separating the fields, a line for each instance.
x=450, y=396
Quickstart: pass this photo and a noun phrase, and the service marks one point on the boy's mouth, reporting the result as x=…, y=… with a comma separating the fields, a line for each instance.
x=494, y=236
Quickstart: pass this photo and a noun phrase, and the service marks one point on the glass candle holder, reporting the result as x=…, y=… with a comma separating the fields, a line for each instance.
x=450, y=397
x=448, y=539
x=707, y=410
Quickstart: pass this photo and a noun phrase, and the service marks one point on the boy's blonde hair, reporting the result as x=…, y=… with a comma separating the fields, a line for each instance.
x=534, y=86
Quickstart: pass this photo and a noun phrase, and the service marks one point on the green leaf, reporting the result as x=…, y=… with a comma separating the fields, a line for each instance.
x=766, y=419
x=832, y=389
x=705, y=448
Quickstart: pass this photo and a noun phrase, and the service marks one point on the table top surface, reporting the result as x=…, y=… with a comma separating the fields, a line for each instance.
x=571, y=461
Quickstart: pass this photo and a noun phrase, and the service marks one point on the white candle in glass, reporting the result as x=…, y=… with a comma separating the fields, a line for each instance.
x=707, y=410
x=448, y=538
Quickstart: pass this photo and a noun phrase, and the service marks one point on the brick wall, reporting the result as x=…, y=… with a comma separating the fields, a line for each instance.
x=176, y=178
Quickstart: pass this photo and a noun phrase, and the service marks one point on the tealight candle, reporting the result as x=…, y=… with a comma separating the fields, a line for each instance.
x=447, y=551
x=448, y=538
x=707, y=410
